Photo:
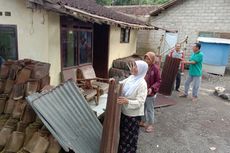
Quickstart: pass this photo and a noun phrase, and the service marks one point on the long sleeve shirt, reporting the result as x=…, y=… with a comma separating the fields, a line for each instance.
x=136, y=100
x=153, y=79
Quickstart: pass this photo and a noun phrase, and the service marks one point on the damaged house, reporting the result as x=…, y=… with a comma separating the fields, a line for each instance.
x=57, y=35
x=66, y=34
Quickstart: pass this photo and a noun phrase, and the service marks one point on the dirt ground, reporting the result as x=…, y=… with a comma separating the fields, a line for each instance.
x=187, y=127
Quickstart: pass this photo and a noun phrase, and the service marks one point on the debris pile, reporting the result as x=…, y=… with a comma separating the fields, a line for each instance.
x=120, y=69
x=20, y=129
x=221, y=92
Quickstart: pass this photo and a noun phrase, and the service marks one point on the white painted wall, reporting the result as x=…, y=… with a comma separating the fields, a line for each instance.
x=119, y=50
x=38, y=34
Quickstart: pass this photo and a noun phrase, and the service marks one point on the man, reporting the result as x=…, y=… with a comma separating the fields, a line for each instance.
x=178, y=53
x=195, y=72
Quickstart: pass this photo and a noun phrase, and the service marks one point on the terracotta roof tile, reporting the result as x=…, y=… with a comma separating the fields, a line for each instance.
x=92, y=7
x=139, y=10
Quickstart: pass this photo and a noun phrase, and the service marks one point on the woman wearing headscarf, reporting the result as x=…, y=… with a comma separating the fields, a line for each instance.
x=153, y=80
x=132, y=100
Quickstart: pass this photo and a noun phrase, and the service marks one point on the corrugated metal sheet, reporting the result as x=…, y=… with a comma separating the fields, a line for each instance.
x=69, y=118
x=168, y=75
x=214, y=40
x=110, y=136
x=163, y=101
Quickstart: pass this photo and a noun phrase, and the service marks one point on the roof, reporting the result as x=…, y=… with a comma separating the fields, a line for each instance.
x=89, y=10
x=214, y=40
x=165, y=6
x=141, y=10
x=138, y=10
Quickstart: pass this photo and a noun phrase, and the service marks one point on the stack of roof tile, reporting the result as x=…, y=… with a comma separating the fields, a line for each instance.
x=120, y=69
x=20, y=129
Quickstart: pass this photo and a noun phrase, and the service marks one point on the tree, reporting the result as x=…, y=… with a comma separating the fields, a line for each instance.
x=104, y=2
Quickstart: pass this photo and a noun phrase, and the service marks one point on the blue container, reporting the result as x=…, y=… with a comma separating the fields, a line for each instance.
x=215, y=53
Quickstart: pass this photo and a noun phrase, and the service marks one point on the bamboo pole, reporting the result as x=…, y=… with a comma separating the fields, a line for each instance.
x=183, y=41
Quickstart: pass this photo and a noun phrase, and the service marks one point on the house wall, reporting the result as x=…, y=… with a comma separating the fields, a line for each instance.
x=54, y=47
x=117, y=49
x=38, y=34
x=189, y=18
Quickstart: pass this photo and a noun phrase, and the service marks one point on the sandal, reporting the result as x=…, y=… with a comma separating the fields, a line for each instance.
x=194, y=99
x=149, y=129
x=183, y=96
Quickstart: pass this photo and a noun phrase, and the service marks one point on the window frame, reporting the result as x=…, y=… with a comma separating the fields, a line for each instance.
x=84, y=30
x=63, y=56
x=77, y=26
x=16, y=36
x=124, y=35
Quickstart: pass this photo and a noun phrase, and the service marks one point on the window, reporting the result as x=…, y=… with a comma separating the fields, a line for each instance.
x=69, y=42
x=7, y=13
x=85, y=47
x=214, y=34
x=77, y=42
x=8, y=42
x=125, y=34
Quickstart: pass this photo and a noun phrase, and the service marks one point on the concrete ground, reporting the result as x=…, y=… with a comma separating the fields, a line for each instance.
x=188, y=127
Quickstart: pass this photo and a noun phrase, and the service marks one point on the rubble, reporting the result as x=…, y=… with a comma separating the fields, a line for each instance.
x=120, y=69
x=18, y=121
x=222, y=92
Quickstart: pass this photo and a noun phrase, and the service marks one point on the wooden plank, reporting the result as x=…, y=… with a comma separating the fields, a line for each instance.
x=111, y=126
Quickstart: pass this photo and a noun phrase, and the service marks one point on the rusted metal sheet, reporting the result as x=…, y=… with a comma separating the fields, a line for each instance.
x=168, y=75
x=110, y=135
x=163, y=101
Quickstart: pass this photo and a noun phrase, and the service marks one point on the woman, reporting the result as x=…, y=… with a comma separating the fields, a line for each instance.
x=134, y=95
x=153, y=80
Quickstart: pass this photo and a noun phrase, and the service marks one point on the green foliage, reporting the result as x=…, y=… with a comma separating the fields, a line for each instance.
x=104, y=2
x=161, y=1
x=130, y=2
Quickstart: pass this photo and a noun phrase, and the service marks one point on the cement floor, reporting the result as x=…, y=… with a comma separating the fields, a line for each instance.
x=187, y=127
